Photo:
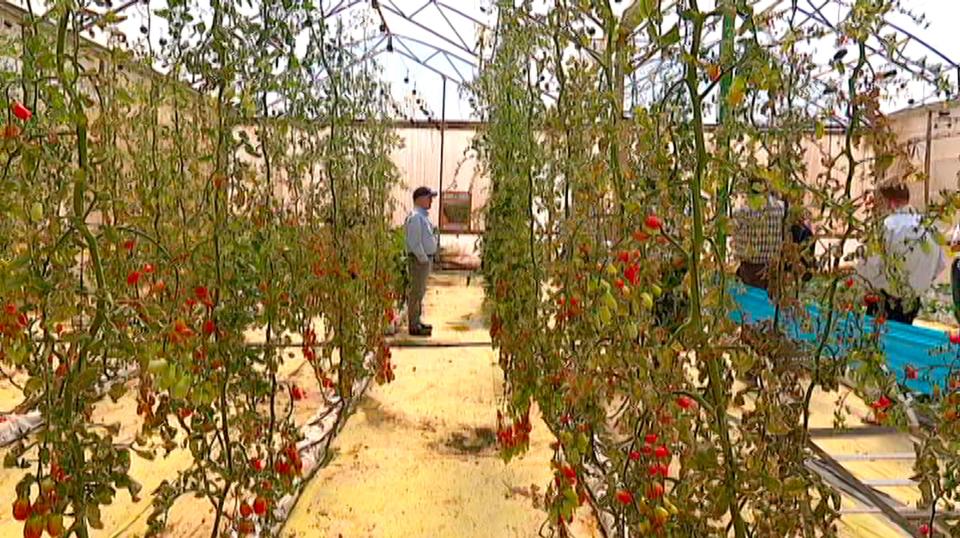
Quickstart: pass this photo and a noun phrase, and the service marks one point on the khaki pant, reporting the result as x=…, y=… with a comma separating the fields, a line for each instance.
x=418, y=288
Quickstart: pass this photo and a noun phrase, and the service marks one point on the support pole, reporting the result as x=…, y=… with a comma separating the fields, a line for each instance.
x=727, y=51
x=727, y=45
x=926, y=160
x=443, y=130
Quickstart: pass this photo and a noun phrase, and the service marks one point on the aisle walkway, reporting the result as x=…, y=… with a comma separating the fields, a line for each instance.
x=419, y=457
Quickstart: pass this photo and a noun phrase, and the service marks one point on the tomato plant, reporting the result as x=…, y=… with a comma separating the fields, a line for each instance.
x=606, y=261
x=196, y=229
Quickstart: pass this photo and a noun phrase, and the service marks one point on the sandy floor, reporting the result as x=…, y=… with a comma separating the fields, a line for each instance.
x=419, y=457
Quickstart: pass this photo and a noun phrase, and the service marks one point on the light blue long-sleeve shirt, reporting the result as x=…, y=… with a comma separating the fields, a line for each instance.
x=421, y=236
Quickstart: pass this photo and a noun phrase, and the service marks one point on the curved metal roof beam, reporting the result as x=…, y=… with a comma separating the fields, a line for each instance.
x=450, y=24
x=424, y=62
x=471, y=62
x=336, y=10
x=472, y=19
x=823, y=19
x=430, y=67
x=396, y=11
x=818, y=17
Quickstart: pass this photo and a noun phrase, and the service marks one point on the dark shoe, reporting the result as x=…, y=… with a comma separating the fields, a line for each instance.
x=426, y=326
x=420, y=331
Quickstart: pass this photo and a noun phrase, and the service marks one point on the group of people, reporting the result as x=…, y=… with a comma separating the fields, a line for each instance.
x=911, y=262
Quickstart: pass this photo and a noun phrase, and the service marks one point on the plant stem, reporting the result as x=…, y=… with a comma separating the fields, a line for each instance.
x=714, y=372
x=220, y=504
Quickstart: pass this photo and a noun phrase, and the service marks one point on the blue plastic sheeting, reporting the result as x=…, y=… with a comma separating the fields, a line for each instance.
x=927, y=350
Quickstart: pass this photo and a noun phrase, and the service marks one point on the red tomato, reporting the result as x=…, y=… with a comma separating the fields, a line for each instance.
x=21, y=509
x=260, y=506
x=21, y=112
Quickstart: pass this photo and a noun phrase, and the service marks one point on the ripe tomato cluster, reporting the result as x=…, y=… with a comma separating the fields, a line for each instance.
x=248, y=510
x=45, y=512
x=513, y=438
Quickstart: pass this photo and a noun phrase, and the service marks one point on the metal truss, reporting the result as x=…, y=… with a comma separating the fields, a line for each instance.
x=433, y=34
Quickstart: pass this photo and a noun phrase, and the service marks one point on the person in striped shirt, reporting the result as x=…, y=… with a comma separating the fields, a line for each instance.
x=758, y=241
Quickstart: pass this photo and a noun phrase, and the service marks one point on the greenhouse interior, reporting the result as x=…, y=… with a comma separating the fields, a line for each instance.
x=479, y=268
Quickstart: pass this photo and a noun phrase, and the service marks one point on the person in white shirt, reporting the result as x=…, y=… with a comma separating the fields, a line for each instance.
x=421, y=248
x=911, y=261
x=955, y=271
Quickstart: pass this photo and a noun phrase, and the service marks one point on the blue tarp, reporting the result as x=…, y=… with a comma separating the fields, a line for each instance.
x=927, y=350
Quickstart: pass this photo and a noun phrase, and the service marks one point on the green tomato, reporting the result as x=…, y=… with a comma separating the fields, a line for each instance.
x=16, y=355
x=182, y=388
x=609, y=301
x=36, y=212
x=582, y=442
x=157, y=366
x=794, y=484
x=168, y=378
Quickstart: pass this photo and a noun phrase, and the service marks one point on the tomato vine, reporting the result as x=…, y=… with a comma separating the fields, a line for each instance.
x=613, y=314
x=201, y=229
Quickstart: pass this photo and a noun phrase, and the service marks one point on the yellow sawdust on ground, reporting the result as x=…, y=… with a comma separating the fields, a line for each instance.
x=419, y=458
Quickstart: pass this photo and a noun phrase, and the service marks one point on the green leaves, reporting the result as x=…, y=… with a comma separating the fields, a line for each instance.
x=671, y=38
x=33, y=386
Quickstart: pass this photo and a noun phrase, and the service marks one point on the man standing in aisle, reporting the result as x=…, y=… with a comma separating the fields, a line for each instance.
x=911, y=261
x=421, y=247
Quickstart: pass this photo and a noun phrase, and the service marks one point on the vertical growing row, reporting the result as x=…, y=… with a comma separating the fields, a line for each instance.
x=613, y=317
x=184, y=238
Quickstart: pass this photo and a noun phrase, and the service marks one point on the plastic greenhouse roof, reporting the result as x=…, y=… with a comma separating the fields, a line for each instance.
x=430, y=48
